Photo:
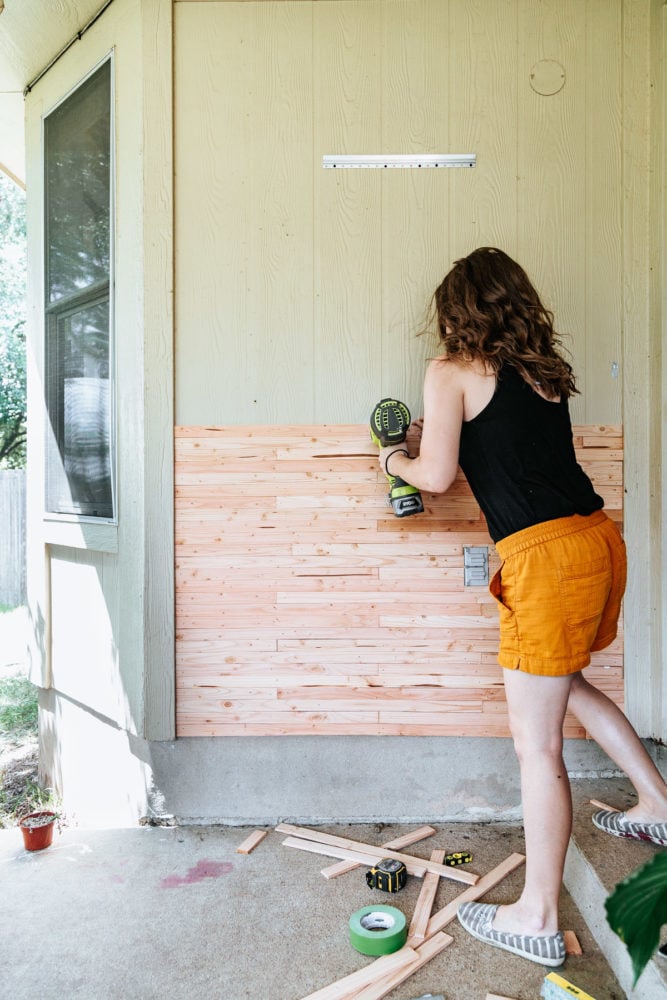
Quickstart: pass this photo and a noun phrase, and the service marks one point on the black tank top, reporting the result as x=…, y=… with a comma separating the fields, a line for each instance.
x=518, y=457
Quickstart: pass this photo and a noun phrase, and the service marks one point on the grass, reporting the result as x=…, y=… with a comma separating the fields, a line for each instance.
x=18, y=707
x=20, y=792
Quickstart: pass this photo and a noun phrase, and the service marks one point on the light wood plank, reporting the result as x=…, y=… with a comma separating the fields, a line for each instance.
x=406, y=840
x=572, y=945
x=443, y=917
x=377, y=852
x=387, y=983
x=448, y=913
x=350, y=985
x=251, y=842
x=424, y=905
x=360, y=857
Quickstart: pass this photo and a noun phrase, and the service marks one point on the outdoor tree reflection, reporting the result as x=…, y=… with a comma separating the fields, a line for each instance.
x=78, y=232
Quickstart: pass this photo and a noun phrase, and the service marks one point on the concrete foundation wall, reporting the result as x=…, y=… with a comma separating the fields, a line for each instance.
x=106, y=776
x=350, y=779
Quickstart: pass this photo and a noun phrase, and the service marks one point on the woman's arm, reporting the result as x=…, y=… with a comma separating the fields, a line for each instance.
x=435, y=468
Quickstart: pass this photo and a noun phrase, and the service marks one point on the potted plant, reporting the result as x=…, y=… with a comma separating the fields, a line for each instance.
x=37, y=829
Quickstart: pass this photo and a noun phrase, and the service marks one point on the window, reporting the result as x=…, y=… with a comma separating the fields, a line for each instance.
x=80, y=439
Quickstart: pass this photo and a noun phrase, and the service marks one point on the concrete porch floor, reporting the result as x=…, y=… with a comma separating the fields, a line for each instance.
x=126, y=913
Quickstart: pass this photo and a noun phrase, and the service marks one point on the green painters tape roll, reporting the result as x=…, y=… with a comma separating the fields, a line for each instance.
x=378, y=930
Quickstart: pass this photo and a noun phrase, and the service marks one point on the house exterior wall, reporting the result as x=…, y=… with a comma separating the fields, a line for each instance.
x=298, y=292
x=102, y=621
x=308, y=316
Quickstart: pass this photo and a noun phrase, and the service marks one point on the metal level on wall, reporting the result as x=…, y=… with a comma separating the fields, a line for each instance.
x=388, y=160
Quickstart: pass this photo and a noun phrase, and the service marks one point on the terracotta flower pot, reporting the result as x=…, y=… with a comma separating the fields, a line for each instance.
x=37, y=830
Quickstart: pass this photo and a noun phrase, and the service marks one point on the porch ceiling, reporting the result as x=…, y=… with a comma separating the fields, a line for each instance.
x=32, y=32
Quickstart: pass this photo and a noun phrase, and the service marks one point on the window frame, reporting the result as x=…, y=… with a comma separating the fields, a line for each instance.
x=53, y=312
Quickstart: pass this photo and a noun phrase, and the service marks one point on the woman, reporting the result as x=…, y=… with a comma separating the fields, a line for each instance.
x=496, y=403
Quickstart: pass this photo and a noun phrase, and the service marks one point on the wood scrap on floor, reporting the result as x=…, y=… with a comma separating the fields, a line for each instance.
x=383, y=966
x=251, y=842
x=381, y=982
x=603, y=805
x=572, y=946
x=333, y=871
x=376, y=853
x=414, y=868
x=426, y=951
x=424, y=907
x=441, y=918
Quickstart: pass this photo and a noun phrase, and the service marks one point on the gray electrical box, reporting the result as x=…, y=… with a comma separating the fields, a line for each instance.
x=475, y=565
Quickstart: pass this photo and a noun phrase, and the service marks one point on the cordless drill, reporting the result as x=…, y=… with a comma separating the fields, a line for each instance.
x=390, y=420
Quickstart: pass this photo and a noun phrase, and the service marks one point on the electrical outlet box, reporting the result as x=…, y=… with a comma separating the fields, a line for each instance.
x=475, y=566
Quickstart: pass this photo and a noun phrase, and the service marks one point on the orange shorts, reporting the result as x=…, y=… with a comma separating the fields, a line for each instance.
x=559, y=592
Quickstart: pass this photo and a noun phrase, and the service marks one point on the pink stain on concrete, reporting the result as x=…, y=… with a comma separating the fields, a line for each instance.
x=202, y=870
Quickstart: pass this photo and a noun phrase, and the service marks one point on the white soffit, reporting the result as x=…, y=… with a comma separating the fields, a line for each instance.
x=32, y=32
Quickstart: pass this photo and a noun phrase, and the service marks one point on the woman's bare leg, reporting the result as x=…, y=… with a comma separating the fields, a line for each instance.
x=537, y=708
x=611, y=730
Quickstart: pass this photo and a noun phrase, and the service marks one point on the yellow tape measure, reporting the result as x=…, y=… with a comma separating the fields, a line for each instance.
x=389, y=875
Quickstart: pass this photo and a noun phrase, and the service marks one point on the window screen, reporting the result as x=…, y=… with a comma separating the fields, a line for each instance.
x=80, y=457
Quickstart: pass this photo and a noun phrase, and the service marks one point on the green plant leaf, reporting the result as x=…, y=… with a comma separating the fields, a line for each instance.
x=637, y=909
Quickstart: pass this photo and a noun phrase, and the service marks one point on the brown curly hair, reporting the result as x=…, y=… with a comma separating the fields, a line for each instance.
x=487, y=308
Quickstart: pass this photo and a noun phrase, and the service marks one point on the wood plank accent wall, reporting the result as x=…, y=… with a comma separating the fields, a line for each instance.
x=303, y=606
